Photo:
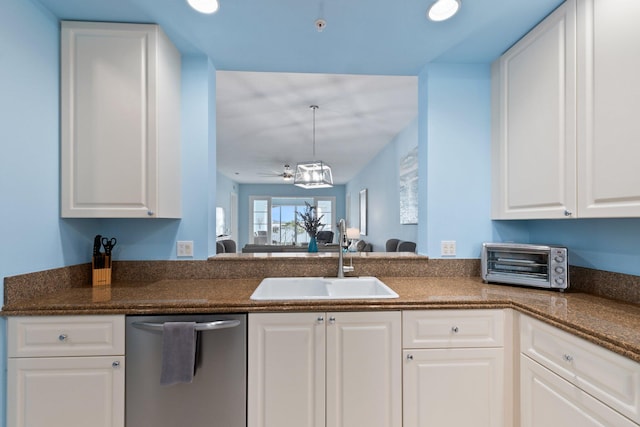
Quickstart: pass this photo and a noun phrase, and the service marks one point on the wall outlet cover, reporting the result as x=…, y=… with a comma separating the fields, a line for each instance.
x=184, y=248
x=448, y=248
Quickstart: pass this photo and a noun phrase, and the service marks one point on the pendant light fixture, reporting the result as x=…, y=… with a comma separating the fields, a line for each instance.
x=314, y=174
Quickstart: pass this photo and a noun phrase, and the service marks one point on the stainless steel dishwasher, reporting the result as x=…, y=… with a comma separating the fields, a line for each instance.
x=217, y=395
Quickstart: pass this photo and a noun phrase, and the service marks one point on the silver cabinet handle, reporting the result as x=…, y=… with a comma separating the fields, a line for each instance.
x=332, y=320
x=567, y=357
x=150, y=213
x=206, y=326
x=115, y=365
x=454, y=329
x=320, y=319
x=62, y=337
x=568, y=213
x=409, y=356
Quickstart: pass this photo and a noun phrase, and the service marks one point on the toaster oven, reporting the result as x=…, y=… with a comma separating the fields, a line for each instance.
x=539, y=266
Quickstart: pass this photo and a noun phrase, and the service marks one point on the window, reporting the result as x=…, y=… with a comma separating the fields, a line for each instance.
x=273, y=219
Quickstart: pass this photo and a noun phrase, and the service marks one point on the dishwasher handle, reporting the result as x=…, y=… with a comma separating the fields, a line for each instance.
x=204, y=326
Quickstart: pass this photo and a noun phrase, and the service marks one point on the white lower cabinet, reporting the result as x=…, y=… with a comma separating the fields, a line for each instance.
x=454, y=368
x=547, y=400
x=568, y=381
x=324, y=369
x=66, y=392
x=65, y=371
x=453, y=387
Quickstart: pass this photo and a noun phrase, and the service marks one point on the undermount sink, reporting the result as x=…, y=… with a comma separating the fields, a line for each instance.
x=305, y=288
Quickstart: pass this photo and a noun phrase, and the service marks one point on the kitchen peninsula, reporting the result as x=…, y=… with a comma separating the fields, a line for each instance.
x=224, y=284
x=462, y=317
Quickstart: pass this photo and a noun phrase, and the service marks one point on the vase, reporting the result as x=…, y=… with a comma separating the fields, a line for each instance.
x=313, y=245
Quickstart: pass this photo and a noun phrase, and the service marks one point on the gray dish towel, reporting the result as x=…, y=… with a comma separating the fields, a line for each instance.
x=178, y=352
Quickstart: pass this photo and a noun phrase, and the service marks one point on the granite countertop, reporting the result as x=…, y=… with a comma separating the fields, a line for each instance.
x=611, y=324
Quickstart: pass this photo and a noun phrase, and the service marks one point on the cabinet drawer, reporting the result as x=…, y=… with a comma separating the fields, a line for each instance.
x=607, y=376
x=45, y=336
x=453, y=328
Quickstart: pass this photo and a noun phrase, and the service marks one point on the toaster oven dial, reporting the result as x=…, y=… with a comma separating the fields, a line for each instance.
x=559, y=281
x=559, y=259
x=559, y=270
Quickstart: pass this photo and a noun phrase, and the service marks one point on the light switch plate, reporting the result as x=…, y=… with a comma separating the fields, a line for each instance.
x=184, y=248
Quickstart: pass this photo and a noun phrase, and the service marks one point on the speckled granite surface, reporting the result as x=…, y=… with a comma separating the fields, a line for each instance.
x=239, y=266
x=183, y=288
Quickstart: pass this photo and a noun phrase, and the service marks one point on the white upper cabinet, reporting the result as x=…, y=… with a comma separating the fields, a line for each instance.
x=608, y=108
x=565, y=107
x=533, y=150
x=120, y=121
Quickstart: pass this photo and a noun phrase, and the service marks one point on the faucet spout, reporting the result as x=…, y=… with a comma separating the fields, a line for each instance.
x=343, y=244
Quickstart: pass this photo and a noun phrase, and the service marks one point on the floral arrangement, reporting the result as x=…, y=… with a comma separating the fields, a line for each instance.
x=309, y=220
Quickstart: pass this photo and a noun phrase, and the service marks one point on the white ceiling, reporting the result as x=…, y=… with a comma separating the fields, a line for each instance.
x=264, y=121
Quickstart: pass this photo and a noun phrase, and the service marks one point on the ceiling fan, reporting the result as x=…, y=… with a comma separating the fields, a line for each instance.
x=286, y=174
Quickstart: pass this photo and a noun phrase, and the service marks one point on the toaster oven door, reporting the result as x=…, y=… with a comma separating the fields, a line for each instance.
x=528, y=267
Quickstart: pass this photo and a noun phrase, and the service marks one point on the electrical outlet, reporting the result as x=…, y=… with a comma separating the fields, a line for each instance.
x=185, y=248
x=448, y=248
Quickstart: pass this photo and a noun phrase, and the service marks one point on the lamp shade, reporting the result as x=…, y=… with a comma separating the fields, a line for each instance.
x=313, y=175
x=353, y=233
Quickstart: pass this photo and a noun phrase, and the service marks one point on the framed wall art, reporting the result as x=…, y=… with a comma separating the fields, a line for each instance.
x=408, y=172
x=363, y=212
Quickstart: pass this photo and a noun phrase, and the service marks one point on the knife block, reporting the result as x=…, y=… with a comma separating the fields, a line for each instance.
x=100, y=276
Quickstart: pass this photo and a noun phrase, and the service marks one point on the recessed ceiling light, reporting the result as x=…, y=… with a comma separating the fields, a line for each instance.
x=442, y=10
x=204, y=6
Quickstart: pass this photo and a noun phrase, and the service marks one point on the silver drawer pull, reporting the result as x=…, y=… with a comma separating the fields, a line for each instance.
x=567, y=357
x=409, y=356
x=454, y=329
x=62, y=337
x=115, y=365
x=320, y=319
x=205, y=326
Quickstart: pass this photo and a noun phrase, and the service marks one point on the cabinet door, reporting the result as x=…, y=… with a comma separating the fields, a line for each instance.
x=609, y=377
x=454, y=387
x=286, y=370
x=608, y=106
x=113, y=114
x=364, y=379
x=534, y=122
x=548, y=400
x=66, y=391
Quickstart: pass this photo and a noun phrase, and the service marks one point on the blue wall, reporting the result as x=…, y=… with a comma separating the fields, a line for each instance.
x=381, y=179
x=602, y=244
x=29, y=163
x=454, y=150
x=280, y=190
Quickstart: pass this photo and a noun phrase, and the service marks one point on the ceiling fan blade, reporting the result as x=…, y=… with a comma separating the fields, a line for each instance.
x=269, y=174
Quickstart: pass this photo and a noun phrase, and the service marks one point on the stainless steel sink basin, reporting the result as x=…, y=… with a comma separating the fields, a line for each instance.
x=315, y=288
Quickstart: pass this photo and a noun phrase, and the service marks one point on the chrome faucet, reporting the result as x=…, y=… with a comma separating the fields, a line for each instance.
x=343, y=244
